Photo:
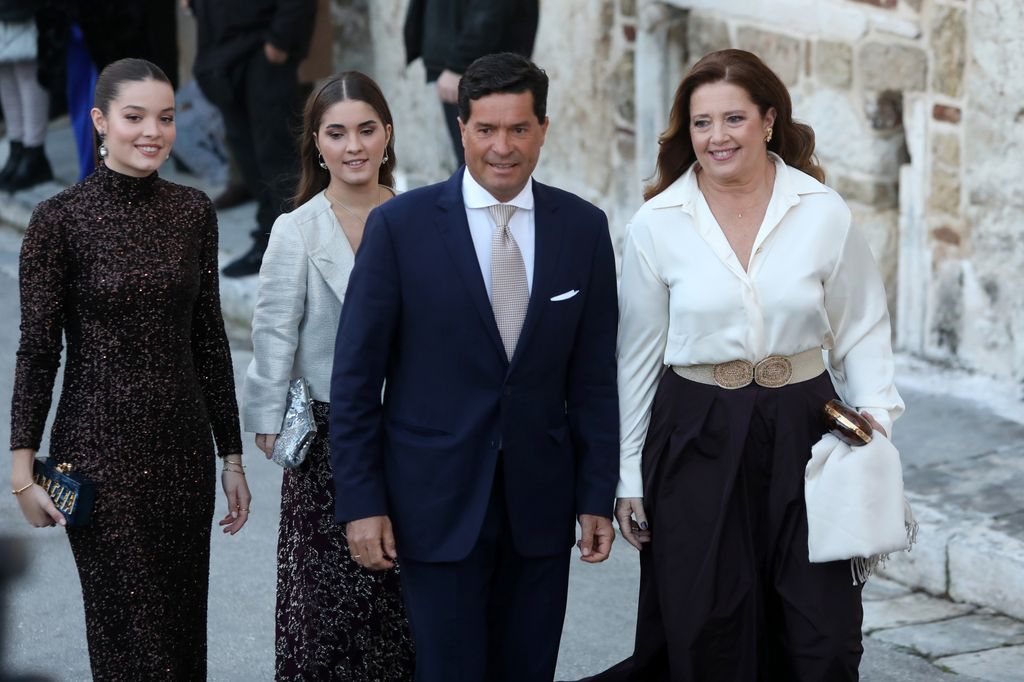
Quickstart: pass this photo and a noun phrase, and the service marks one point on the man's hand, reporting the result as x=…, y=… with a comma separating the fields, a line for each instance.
x=448, y=86
x=596, y=537
x=371, y=542
x=629, y=512
x=274, y=54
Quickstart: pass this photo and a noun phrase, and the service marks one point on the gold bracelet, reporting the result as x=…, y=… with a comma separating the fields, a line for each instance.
x=233, y=471
x=23, y=488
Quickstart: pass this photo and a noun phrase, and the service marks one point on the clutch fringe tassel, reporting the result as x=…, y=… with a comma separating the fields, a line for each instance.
x=861, y=568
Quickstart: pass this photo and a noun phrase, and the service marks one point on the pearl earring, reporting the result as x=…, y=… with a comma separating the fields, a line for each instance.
x=320, y=160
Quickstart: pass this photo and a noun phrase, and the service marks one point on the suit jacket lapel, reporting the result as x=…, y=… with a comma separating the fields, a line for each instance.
x=454, y=229
x=548, y=235
x=329, y=250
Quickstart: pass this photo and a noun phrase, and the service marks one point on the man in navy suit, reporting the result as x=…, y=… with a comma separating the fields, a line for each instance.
x=486, y=308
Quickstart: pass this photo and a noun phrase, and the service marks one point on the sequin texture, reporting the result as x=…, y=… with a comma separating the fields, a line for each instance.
x=336, y=621
x=125, y=269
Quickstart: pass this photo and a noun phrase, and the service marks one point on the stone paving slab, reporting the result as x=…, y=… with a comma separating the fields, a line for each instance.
x=966, y=634
x=990, y=484
x=883, y=662
x=986, y=567
x=878, y=588
x=961, y=435
x=910, y=609
x=995, y=665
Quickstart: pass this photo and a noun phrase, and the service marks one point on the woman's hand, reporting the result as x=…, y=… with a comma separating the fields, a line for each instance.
x=629, y=512
x=36, y=506
x=236, y=490
x=875, y=426
x=265, y=442
x=38, y=509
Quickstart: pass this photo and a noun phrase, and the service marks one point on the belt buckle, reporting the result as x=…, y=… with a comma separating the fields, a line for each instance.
x=773, y=371
x=734, y=374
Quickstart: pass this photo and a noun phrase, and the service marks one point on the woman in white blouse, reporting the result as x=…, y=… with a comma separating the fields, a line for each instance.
x=737, y=272
x=335, y=620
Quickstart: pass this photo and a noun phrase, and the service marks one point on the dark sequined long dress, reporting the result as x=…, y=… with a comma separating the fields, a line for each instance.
x=125, y=269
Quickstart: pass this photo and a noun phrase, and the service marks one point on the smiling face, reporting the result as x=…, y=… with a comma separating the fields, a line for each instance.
x=138, y=128
x=352, y=139
x=728, y=131
x=502, y=139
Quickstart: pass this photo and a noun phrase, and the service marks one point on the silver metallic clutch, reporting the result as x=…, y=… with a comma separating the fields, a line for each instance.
x=298, y=428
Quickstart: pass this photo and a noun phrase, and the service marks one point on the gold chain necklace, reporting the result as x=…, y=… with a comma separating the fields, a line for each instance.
x=770, y=182
x=349, y=210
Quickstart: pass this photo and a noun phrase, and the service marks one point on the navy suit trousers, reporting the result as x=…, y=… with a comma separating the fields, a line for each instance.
x=494, y=616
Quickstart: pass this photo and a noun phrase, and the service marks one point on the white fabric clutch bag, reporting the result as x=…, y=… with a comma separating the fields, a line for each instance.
x=855, y=504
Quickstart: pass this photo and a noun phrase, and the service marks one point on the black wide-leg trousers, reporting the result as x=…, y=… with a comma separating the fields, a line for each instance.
x=726, y=589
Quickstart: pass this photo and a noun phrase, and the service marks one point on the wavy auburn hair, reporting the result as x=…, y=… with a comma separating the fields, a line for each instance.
x=345, y=86
x=791, y=140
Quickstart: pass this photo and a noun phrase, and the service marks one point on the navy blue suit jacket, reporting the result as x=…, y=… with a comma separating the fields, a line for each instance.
x=417, y=321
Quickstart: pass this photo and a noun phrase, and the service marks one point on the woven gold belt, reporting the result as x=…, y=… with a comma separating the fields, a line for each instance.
x=771, y=372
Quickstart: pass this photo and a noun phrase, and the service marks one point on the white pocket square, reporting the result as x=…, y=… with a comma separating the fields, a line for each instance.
x=567, y=295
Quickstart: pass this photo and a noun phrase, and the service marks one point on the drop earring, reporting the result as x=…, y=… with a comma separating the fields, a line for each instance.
x=768, y=137
x=103, y=146
x=320, y=160
x=385, y=159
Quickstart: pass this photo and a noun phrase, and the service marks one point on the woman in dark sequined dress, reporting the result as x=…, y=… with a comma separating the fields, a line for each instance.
x=335, y=619
x=124, y=266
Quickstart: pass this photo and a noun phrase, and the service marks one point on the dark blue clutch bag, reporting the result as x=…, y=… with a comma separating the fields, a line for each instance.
x=72, y=494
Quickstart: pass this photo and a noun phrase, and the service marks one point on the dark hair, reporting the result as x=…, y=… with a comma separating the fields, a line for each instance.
x=110, y=81
x=504, y=72
x=345, y=86
x=792, y=141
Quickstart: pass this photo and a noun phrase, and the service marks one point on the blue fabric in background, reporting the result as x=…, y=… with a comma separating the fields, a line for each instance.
x=80, y=86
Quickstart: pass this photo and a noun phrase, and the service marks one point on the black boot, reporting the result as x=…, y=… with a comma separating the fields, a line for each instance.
x=12, y=162
x=248, y=263
x=32, y=169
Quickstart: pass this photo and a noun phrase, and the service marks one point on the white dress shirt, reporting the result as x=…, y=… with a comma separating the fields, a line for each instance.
x=685, y=299
x=482, y=226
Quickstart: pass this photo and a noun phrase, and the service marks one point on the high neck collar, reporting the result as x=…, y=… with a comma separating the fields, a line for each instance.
x=126, y=186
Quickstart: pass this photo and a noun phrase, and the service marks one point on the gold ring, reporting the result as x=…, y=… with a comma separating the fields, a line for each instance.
x=356, y=556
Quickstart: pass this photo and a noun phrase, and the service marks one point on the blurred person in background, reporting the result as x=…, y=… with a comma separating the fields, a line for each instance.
x=450, y=34
x=26, y=104
x=247, y=59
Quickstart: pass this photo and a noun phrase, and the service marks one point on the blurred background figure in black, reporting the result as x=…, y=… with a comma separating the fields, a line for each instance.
x=26, y=104
x=12, y=564
x=450, y=34
x=247, y=58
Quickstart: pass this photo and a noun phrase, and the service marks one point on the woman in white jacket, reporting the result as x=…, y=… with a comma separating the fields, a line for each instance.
x=335, y=620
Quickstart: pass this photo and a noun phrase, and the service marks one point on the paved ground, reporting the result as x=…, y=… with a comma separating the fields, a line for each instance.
x=960, y=444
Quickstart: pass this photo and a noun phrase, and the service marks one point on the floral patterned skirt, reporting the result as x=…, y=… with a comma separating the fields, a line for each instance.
x=335, y=619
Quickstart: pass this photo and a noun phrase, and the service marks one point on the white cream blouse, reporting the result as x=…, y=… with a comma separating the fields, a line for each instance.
x=685, y=299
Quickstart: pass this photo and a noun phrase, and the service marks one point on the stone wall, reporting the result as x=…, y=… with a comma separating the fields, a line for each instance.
x=917, y=107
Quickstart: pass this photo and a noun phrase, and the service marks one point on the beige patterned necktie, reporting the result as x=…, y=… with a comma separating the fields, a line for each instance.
x=510, y=294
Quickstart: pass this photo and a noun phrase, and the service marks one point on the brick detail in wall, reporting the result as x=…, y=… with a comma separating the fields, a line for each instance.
x=941, y=112
x=888, y=4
